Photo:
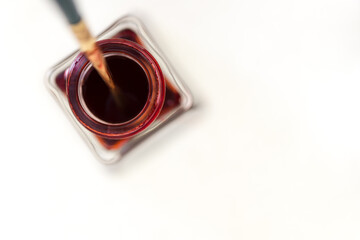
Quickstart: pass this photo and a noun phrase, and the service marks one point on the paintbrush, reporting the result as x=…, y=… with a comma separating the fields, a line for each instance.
x=88, y=46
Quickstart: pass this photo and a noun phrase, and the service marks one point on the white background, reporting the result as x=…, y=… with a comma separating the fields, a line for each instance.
x=272, y=150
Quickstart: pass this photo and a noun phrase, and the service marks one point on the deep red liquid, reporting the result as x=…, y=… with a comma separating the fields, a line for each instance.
x=132, y=81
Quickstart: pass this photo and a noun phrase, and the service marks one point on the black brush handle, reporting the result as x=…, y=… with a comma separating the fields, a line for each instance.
x=69, y=9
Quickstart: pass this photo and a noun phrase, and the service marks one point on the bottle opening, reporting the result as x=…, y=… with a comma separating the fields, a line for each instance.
x=132, y=82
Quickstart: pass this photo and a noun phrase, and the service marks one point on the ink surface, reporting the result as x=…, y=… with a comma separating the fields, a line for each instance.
x=132, y=81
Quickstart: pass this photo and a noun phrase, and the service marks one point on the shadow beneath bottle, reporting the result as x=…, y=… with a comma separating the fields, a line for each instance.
x=156, y=140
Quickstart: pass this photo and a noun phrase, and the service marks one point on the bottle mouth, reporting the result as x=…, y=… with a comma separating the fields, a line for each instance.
x=129, y=76
x=141, y=84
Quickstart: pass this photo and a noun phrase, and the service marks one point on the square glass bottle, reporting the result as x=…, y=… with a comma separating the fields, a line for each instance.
x=168, y=96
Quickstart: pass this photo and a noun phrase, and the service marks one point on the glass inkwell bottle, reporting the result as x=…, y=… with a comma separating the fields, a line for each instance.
x=155, y=94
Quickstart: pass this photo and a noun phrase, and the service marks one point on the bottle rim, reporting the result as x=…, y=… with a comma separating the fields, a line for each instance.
x=77, y=74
